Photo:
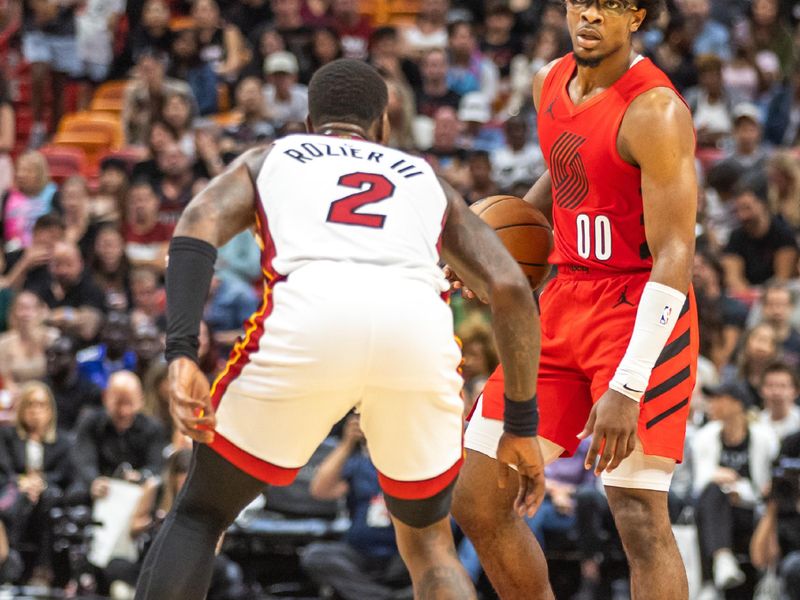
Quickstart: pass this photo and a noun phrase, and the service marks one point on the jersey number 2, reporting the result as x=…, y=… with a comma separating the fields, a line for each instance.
x=344, y=211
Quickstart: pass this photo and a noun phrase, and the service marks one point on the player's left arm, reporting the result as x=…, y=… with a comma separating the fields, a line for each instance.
x=221, y=210
x=657, y=135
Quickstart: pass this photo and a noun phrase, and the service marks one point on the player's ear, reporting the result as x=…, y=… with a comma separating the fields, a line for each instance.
x=384, y=130
x=638, y=18
x=309, y=124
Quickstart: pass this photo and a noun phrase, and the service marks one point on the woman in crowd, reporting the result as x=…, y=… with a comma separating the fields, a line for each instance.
x=76, y=206
x=186, y=64
x=221, y=44
x=110, y=267
x=32, y=196
x=759, y=348
x=22, y=347
x=34, y=461
x=177, y=113
x=325, y=47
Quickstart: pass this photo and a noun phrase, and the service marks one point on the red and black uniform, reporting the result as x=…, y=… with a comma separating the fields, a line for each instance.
x=603, y=262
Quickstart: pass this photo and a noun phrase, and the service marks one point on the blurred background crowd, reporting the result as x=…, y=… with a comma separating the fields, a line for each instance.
x=113, y=113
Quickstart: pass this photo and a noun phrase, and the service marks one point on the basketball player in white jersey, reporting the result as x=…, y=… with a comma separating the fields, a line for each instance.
x=353, y=316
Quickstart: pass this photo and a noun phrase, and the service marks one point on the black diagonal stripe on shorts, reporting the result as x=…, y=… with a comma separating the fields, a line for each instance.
x=685, y=308
x=675, y=347
x=667, y=385
x=656, y=420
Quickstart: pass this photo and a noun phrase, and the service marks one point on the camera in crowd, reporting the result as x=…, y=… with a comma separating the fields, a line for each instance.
x=786, y=485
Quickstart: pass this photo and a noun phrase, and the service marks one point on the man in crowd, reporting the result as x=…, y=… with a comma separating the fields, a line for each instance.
x=73, y=394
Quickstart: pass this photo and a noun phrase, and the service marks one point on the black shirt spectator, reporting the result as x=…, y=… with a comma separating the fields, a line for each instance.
x=68, y=284
x=434, y=93
x=72, y=394
x=28, y=266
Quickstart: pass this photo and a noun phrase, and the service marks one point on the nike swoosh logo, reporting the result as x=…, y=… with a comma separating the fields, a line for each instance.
x=625, y=385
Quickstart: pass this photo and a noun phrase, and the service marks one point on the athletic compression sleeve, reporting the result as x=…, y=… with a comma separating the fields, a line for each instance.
x=190, y=268
x=659, y=309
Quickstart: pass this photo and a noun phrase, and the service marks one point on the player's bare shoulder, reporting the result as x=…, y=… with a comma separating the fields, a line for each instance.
x=655, y=118
x=253, y=159
x=539, y=79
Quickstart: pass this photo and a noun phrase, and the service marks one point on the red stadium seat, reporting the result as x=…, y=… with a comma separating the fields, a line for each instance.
x=64, y=161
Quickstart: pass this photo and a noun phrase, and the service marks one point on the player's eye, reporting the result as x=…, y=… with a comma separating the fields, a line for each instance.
x=612, y=5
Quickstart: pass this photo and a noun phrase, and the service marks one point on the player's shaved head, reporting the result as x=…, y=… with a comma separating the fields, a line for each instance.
x=347, y=91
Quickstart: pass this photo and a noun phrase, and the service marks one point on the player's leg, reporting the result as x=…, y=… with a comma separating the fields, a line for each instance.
x=425, y=541
x=507, y=549
x=179, y=564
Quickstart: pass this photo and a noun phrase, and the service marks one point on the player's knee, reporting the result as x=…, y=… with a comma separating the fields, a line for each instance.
x=642, y=526
x=476, y=512
x=421, y=513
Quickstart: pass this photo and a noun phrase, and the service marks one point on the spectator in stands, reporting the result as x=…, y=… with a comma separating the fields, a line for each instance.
x=152, y=33
x=95, y=26
x=542, y=48
x=108, y=203
x=732, y=461
x=354, y=28
x=326, y=46
x=475, y=112
x=156, y=397
x=479, y=359
x=208, y=352
x=27, y=267
x=742, y=77
x=8, y=137
x=222, y=45
x=675, y=56
x=770, y=33
x=429, y=30
x=79, y=228
x=187, y=65
x=286, y=99
x=779, y=390
x=75, y=301
x=116, y=440
x=10, y=562
x=435, y=92
x=247, y=15
x=148, y=298
x=147, y=345
x=50, y=45
x=73, y=394
x=110, y=267
x=177, y=113
x=481, y=183
x=759, y=349
x=173, y=186
x=356, y=567
x=253, y=125
x=34, y=455
x=499, y=43
x=266, y=40
x=782, y=126
x=401, y=111
x=155, y=504
x=386, y=56
x=711, y=107
x=712, y=299
x=448, y=158
x=32, y=196
x=778, y=302
x=710, y=36
x=289, y=23
x=761, y=247
x=113, y=353
x=146, y=236
x=519, y=160
x=145, y=94
x=749, y=157
x=469, y=70
x=783, y=177
x=22, y=347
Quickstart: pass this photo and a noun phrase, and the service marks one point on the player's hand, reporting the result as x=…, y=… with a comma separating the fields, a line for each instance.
x=524, y=453
x=457, y=284
x=613, y=423
x=190, y=400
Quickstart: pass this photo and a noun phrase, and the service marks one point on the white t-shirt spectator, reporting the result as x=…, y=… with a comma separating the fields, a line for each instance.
x=786, y=426
x=509, y=167
x=294, y=109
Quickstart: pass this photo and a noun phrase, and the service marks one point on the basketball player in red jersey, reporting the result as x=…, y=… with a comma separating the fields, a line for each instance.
x=619, y=331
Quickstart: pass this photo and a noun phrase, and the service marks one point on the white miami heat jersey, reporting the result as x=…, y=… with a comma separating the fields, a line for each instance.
x=327, y=198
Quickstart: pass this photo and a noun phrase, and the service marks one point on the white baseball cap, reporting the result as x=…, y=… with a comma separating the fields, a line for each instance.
x=281, y=62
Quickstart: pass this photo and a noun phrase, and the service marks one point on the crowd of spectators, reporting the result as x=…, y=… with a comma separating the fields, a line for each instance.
x=82, y=377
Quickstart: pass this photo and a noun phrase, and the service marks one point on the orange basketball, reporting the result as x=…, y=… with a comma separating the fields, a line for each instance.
x=524, y=231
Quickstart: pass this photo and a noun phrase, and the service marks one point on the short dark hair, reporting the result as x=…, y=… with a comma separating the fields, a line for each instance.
x=755, y=185
x=451, y=27
x=347, y=90
x=780, y=367
x=387, y=32
x=654, y=9
x=48, y=221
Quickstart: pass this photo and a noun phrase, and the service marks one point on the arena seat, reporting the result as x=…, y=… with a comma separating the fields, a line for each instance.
x=64, y=161
x=93, y=143
x=226, y=119
x=95, y=122
x=110, y=97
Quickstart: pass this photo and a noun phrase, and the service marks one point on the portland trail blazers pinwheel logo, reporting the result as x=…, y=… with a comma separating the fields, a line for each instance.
x=567, y=170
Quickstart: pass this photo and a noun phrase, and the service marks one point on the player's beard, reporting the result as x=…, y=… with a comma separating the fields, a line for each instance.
x=592, y=62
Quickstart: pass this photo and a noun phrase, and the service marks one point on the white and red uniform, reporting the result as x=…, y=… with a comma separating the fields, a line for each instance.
x=352, y=316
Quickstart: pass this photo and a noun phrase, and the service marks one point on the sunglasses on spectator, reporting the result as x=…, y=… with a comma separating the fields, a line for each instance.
x=611, y=7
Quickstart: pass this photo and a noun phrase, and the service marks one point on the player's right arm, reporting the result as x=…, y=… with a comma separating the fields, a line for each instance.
x=473, y=250
x=221, y=210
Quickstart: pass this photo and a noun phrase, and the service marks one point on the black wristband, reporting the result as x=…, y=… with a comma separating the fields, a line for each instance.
x=521, y=418
x=189, y=272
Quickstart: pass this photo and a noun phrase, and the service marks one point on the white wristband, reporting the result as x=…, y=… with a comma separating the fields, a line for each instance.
x=659, y=309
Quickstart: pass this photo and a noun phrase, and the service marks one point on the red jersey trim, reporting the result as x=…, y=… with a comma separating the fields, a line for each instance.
x=252, y=465
x=419, y=490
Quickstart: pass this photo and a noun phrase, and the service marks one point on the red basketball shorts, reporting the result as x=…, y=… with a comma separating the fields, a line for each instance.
x=587, y=322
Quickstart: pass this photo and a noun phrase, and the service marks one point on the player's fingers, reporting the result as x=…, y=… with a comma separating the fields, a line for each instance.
x=620, y=452
x=205, y=437
x=607, y=454
x=531, y=494
x=631, y=445
x=589, y=427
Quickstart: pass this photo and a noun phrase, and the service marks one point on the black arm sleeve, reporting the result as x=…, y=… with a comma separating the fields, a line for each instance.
x=189, y=272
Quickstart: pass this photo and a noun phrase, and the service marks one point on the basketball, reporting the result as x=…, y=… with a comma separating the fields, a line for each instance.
x=524, y=231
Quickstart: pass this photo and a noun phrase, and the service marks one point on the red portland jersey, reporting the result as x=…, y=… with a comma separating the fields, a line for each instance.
x=598, y=216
